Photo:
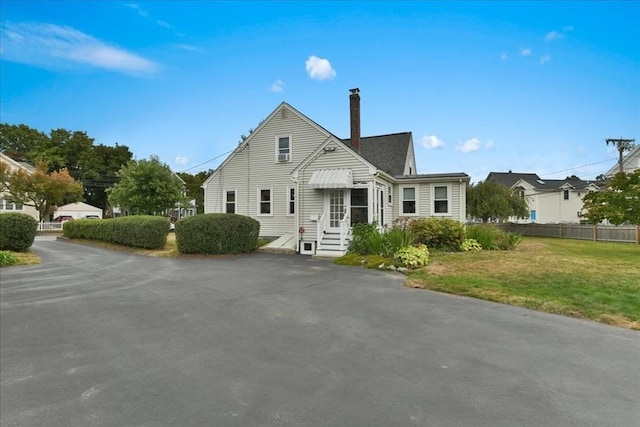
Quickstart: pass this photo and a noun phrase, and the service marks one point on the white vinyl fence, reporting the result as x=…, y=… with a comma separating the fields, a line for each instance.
x=49, y=226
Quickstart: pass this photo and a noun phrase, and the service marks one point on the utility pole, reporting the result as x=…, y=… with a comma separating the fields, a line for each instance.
x=622, y=145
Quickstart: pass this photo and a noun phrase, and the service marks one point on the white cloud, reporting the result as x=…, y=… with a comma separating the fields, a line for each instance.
x=553, y=35
x=488, y=145
x=319, y=68
x=568, y=29
x=469, y=146
x=277, y=86
x=181, y=160
x=187, y=47
x=50, y=45
x=545, y=58
x=503, y=56
x=525, y=52
x=163, y=24
x=432, y=141
x=136, y=7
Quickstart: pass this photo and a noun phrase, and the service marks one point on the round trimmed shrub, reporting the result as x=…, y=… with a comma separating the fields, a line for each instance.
x=17, y=231
x=438, y=233
x=216, y=234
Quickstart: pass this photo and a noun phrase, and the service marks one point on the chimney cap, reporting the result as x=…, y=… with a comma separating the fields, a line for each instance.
x=354, y=90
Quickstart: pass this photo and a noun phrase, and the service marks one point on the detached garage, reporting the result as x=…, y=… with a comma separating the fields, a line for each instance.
x=78, y=210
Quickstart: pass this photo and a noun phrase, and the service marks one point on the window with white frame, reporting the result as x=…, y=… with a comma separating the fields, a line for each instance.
x=265, y=202
x=291, y=201
x=409, y=202
x=440, y=200
x=230, y=199
x=390, y=195
x=565, y=194
x=283, y=148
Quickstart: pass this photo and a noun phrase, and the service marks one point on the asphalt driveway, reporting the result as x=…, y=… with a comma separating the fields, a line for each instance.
x=93, y=337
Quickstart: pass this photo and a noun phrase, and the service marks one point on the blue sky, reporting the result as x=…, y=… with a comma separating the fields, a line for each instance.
x=483, y=86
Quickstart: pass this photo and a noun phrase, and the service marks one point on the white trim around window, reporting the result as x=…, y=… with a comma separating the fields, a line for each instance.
x=291, y=201
x=283, y=150
x=230, y=201
x=441, y=199
x=409, y=200
x=264, y=202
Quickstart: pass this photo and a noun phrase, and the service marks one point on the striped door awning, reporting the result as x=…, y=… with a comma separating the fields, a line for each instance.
x=331, y=178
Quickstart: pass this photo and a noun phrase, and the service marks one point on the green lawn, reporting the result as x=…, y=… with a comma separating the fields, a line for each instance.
x=592, y=280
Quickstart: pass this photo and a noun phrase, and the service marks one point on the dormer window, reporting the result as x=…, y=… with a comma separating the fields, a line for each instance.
x=283, y=148
x=565, y=194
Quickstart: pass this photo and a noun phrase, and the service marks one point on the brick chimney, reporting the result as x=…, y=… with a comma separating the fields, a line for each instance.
x=354, y=102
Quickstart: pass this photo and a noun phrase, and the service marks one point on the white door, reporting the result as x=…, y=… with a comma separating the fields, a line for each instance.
x=335, y=206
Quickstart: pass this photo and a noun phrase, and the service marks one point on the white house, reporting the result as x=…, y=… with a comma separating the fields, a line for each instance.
x=549, y=200
x=307, y=187
x=77, y=210
x=630, y=163
x=6, y=205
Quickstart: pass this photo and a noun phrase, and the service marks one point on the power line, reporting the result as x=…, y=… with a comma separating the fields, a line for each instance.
x=579, y=167
x=208, y=161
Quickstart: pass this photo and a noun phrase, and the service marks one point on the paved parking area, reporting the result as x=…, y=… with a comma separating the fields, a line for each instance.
x=93, y=337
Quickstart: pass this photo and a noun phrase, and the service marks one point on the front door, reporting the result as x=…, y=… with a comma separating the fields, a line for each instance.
x=335, y=207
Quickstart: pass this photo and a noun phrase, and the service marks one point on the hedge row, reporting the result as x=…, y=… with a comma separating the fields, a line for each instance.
x=17, y=231
x=140, y=231
x=217, y=233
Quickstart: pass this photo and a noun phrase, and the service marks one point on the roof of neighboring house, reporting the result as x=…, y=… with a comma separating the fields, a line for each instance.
x=27, y=166
x=78, y=206
x=386, y=152
x=511, y=178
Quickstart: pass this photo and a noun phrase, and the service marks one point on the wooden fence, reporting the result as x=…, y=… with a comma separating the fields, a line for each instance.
x=597, y=233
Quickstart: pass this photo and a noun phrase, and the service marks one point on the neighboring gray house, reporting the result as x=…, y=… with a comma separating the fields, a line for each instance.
x=549, y=200
x=307, y=187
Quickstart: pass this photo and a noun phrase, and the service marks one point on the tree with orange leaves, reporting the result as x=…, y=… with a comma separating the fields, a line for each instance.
x=39, y=189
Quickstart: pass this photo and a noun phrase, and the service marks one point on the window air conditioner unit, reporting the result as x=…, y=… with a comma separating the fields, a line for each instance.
x=283, y=157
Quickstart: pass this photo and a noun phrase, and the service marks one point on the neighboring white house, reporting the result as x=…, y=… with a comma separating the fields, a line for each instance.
x=630, y=163
x=77, y=210
x=307, y=187
x=5, y=205
x=549, y=200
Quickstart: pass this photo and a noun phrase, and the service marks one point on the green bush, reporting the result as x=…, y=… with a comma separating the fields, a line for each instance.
x=438, y=233
x=7, y=259
x=140, y=231
x=470, y=245
x=216, y=234
x=367, y=240
x=413, y=256
x=17, y=231
x=492, y=238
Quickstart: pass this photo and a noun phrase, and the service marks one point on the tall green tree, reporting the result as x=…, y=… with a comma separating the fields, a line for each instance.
x=618, y=203
x=17, y=141
x=146, y=187
x=491, y=200
x=41, y=189
x=193, y=187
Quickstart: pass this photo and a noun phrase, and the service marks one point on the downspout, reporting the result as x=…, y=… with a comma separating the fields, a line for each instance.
x=296, y=204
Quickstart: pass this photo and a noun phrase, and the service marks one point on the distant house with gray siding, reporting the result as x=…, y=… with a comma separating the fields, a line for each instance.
x=307, y=187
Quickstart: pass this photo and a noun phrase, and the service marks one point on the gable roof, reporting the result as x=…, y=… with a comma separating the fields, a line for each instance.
x=386, y=152
x=510, y=178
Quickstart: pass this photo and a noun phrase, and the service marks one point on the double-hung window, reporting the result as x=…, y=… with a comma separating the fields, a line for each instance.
x=230, y=201
x=265, y=202
x=409, y=204
x=283, y=148
x=441, y=200
x=291, y=201
x=565, y=194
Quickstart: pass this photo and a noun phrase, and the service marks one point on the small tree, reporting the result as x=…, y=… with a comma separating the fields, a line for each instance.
x=146, y=187
x=39, y=189
x=618, y=203
x=490, y=199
